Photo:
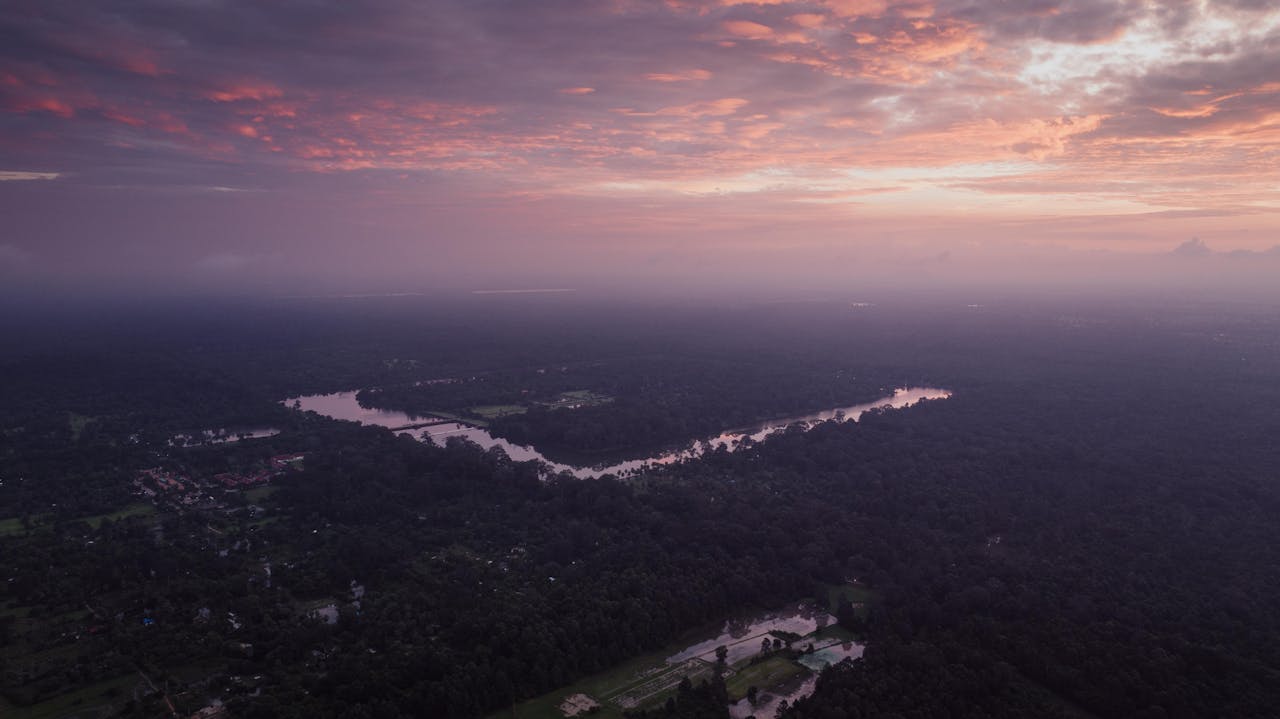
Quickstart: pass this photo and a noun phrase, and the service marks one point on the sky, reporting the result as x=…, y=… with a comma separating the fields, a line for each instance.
x=399, y=145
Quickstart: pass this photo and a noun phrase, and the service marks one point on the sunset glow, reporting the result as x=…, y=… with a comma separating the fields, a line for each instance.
x=363, y=139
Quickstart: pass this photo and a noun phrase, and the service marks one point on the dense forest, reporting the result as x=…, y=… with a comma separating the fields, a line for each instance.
x=1083, y=530
x=646, y=401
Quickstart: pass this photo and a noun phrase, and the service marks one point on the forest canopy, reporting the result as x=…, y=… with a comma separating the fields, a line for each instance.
x=1082, y=529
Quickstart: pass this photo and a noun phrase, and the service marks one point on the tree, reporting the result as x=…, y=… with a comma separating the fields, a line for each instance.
x=722, y=653
x=847, y=616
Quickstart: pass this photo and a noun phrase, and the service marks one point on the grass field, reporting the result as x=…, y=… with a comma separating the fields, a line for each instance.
x=257, y=494
x=854, y=593
x=490, y=411
x=133, y=510
x=623, y=679
x=16, y=611
x=830, y=633
x=262, y=522
x=577, y=398
x=95, y=700
x=768, y=673
x=645, y=682
x=13, y=525
x=458, y=418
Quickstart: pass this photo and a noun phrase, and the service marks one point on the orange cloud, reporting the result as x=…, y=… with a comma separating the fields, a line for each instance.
x=256, y=91
x=723, y=106
x=1198, y=111
x=679, y=76
x=855, y=8
x=747, y=29
x=810, y=91
x=990, y=139
x=807, y=20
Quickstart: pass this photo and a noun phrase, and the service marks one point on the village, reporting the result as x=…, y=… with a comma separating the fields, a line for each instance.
x=170, y=488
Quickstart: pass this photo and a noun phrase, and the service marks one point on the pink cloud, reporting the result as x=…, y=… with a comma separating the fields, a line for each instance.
x=855, y=8
x=701, y=94
x=807, y=20
x=747, y=29
x=237, y=92
x=685, y=76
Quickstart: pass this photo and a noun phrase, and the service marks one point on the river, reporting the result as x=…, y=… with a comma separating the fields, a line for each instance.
x=344, y=406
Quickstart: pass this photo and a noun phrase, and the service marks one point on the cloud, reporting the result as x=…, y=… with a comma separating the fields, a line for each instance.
x=251, y=90
x=1058, y=108
x=24, y=176
x=1194, y=247
x=1197, y=248
x=685, y=76
x=748, y=29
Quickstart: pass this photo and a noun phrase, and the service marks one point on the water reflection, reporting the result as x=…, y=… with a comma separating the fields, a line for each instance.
x=344, y=406
x=742, y=638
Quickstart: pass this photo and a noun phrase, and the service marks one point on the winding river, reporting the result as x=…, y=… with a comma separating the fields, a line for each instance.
x=344, y=406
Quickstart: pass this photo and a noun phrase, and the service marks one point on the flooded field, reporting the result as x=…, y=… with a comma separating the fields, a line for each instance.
x=783, y=671
x=833, y=653
x=743, y=638
x=345, y=406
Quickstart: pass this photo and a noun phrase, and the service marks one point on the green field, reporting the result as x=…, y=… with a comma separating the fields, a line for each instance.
x=458, y=418
x=855, y=593
x=490, y=411
x=829, y=633
x=93, y=701
x=642, y=675
x=257, y=494
x=646, y=681
x=577, y=398
x=768, y=673
x=15, y=610
x=133, y=510
x=13, y=525
x=262, y=522
x=620, y=680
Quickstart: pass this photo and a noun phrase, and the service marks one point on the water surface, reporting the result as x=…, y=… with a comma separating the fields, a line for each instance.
x=742, y=638
x=344, y=406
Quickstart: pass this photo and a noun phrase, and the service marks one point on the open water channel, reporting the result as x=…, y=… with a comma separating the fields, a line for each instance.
x=344, y=406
